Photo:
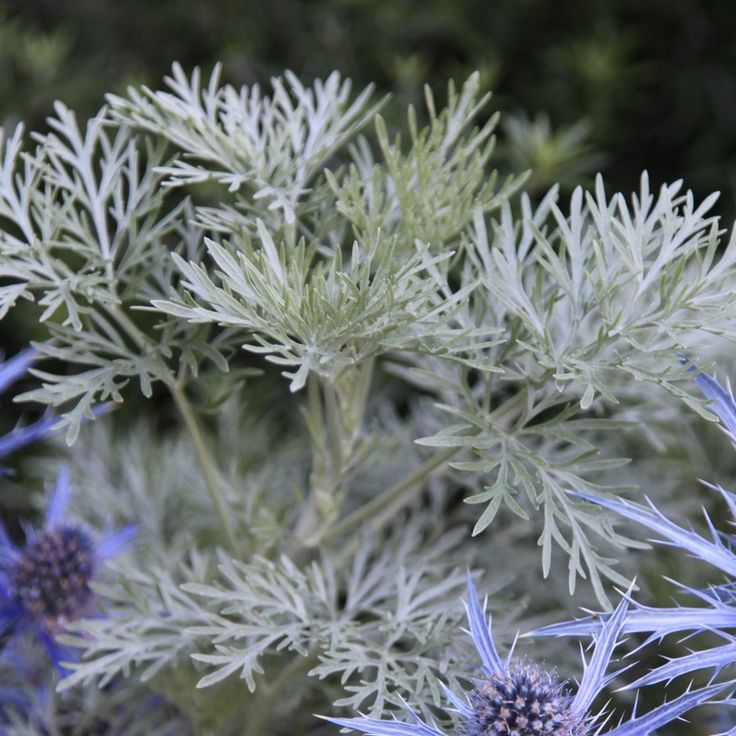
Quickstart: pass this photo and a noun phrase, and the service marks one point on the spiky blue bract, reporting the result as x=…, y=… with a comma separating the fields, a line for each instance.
x=718, y=615
x=12, y=370
x=45, y=584
x=722, y=399
x=481, y=632
x=515, y=696
x=15, y=368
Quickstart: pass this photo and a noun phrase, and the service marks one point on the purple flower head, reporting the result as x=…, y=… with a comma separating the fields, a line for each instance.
x=517, y=697
x=717, y=610
x=46, y=583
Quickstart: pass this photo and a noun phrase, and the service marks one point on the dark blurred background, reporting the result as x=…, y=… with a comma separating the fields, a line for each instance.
x=653, y=80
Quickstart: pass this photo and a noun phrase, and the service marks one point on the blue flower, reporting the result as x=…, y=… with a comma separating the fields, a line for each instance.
x=515, y=697
x=45, y=584
x=11, y=371
x=717, y=610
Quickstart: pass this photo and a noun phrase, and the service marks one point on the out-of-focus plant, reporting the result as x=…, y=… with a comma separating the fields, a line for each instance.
x=549, y=155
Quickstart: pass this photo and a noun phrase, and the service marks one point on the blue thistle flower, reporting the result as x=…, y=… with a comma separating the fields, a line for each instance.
x=718, y=614
x=45, y=584
x=518, y=698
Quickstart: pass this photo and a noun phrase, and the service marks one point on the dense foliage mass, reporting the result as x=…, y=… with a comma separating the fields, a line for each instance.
x=381, y=364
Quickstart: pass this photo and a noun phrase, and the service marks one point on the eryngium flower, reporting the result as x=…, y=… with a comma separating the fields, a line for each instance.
x=11, y=371
x=517, y=698
x=718, y=614
x=46, y=584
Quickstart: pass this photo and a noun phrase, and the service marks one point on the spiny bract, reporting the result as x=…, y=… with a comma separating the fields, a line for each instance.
x=516, y=698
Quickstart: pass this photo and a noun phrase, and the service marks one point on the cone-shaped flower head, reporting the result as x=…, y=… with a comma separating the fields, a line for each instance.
x=516, y=698
x=51, y=576
x=718, y=614
x=46, y=584
x=523, y=699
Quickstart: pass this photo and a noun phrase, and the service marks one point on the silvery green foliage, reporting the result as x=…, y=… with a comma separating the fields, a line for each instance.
x=373, y=614
x=565, y=306
x=271, y=146
x=591, y=298
x=179, y=226
x=84, y=229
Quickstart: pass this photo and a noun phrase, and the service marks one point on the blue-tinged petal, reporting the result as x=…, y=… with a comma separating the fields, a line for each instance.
x=713, y=552
x=643, y=619
x=594, y=676
x=113, y=543
x=715, y=657
x=5, y=578
x=376, y=727
x=459, y=704
x=16, y=367
x=719, y=596
x=6, y=544
x=722, y=401
x=59, y=655
x=59, y=500
x=11, y=617
x=727, y=496
x=480, y=630
x=29, y=531
x=22, y=436
x=667, y=712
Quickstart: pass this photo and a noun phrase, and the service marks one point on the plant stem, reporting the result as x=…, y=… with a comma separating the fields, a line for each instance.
x=209, y=470
x=328, y=457
x=334, y=432
x=401, y=493
x=268, y=693
x=131, y=330
x=405, y=487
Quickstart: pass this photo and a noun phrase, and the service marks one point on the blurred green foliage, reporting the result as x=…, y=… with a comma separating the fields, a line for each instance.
x=654, y=81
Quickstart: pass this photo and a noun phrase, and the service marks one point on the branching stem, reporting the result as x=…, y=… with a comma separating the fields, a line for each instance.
x=204, y=457
x=267, y=694
x=403, y=490
x=209, y=469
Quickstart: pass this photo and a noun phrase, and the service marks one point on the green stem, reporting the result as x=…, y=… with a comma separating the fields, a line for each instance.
x=325, y=408
x=401, y=493
x=209, y=470
x=131, y=330
x=267, y=694
x=403, y=490
x=334, y=432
